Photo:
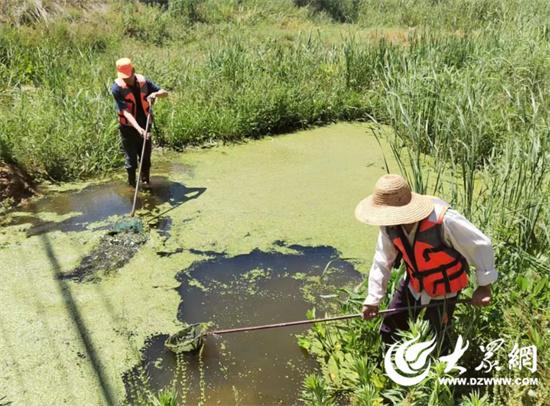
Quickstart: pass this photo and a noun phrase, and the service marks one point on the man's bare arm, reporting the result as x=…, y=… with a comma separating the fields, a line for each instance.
x=160, y=93
x=133, y=122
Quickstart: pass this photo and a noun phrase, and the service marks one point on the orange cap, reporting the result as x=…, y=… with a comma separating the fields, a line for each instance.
x=124, y=68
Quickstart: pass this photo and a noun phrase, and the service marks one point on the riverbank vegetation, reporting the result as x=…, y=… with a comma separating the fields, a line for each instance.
x=464, y=85
x=241, y=69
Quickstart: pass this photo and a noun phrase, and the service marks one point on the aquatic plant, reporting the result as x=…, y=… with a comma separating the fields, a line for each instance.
x=166, y=397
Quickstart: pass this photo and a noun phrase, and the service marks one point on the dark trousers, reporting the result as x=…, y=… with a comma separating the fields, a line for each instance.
x=132, y=144
x=438, y=316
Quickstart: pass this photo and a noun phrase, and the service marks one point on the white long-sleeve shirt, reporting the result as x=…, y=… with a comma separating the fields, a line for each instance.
x=458, y=233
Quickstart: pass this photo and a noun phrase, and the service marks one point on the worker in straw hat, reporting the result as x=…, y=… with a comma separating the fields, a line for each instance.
x=436, y=244
x=134, y=95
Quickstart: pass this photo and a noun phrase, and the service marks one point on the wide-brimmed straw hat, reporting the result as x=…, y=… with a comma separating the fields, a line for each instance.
x=392, y=203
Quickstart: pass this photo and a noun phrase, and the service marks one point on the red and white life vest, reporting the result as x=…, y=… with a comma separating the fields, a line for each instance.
x=432, y=266
x=130, y=99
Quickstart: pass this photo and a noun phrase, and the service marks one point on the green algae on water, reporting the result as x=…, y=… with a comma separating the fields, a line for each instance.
x=301, y=188
x=255, y=274
x=196, y=283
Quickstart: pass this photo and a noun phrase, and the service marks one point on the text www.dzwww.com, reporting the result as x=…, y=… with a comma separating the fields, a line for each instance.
x=486, y=381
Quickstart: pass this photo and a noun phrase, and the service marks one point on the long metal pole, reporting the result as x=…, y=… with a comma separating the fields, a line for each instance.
x=336, y=318
x=141, y=161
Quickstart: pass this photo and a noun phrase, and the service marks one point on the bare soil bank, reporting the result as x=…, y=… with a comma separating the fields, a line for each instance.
x=15, y=184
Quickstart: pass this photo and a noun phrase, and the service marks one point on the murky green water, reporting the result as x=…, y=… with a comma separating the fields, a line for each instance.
x=99, y=202
x=261, y=367
x=215, y=216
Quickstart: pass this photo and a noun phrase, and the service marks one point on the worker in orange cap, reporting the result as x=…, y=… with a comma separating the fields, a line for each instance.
x=134, y=95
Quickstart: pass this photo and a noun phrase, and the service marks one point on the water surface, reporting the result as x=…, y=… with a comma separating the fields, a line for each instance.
x=99, y=202
x=262, y=367
x=69, y=342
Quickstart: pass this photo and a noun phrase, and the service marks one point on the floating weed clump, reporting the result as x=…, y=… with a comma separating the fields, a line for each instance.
x=113, y=251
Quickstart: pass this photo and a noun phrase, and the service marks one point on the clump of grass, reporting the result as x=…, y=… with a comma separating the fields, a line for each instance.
x=28, y=12
x=148, y=25
x=166, y=397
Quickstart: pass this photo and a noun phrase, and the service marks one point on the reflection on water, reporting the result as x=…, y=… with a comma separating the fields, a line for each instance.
x=262, y=367
x=99, y=202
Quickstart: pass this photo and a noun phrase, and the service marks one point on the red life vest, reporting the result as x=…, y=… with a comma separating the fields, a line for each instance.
x=130, y=99
x=431, y=265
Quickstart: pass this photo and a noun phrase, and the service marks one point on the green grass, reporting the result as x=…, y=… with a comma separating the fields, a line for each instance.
x=463, y=83
x=233, y=77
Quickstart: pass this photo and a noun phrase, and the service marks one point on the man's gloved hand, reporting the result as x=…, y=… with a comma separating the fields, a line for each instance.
x=151, y=98
x=370, y=311
x=482, y=296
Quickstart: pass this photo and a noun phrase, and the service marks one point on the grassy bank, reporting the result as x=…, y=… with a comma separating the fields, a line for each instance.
x=244, y=69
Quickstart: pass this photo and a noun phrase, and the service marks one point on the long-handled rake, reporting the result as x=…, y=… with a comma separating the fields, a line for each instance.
x=192, y=336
